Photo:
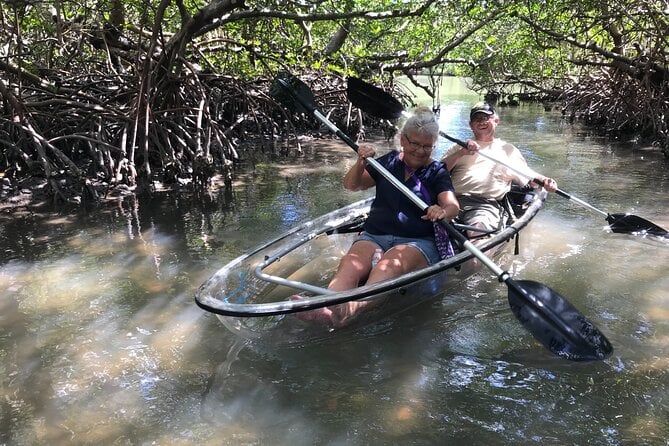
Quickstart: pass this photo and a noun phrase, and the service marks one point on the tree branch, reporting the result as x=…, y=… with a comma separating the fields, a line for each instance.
x=626, y=64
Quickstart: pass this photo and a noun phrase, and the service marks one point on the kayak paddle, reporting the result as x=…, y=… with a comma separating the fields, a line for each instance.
x=377, y=102
x=547, y=315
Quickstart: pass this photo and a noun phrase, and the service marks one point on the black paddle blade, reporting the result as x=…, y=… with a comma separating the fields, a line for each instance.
x=373, y=100
x=556, y=323
x=632, y=224
x=294, y=94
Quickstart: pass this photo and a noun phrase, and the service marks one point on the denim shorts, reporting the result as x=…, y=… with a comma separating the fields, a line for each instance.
x=426, y=246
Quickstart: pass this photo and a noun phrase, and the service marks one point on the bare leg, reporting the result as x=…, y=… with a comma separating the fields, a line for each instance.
x=353, y=268
x=396, y=261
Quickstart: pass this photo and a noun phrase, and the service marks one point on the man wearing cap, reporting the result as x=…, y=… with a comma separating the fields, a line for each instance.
x=479, y=182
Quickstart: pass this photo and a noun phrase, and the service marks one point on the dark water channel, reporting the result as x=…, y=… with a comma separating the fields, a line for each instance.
x=102, y=343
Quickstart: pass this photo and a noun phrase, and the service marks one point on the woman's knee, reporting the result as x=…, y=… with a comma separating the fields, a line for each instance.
x=406, y=258
x=354, y=264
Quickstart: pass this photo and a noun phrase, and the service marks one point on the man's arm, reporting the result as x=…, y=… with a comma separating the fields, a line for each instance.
x=456, y=152
x=549, y=184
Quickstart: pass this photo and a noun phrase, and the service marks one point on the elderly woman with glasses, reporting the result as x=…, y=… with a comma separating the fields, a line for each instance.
x=397, y=232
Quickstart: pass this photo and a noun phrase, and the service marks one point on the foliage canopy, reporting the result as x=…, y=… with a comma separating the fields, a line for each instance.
x=120, y=91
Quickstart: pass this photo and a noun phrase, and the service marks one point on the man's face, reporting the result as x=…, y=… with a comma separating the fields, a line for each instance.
x=484, y=125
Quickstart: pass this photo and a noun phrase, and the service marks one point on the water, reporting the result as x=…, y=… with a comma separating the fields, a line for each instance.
x=101, y=342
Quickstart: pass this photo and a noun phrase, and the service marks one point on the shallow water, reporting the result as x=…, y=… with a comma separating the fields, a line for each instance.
x=101, y=341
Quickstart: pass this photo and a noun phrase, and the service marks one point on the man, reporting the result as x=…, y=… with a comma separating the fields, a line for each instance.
x=479, y=182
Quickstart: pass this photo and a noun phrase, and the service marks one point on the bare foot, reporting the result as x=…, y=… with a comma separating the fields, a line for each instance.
x=323, y=314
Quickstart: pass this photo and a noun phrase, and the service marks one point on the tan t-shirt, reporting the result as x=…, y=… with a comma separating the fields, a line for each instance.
x=479, y=176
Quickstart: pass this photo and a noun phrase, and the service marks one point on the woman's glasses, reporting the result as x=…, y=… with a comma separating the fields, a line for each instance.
x=414, y=145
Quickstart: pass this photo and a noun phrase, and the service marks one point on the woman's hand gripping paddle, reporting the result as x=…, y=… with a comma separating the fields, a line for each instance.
x=547, y=315
x=375, y=101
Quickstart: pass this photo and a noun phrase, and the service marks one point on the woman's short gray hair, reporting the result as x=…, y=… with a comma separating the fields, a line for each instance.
x=423, y=120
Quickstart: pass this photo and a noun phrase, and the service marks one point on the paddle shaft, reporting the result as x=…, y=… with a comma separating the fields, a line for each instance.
x=520, y=172
x=617, y=222
x=534, y=179
x=501, y=274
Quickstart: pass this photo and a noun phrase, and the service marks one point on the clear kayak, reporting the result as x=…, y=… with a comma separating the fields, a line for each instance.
x=251, y=295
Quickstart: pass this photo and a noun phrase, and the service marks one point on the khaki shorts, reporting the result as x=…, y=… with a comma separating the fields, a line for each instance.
x=475, y=210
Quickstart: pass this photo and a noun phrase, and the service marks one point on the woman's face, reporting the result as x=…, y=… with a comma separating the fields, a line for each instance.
x=418, y=148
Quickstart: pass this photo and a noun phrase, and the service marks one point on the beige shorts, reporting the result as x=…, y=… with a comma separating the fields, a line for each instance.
x=476, y=210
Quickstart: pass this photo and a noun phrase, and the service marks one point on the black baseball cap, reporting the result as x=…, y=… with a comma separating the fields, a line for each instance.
x=481, y=107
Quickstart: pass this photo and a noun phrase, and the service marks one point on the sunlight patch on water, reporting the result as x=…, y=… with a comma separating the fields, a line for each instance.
x=117, y=370
x=571, y=250
x=402, y=419
x=648, y=426
x=463, y=371
x=112, y=367
x=60, y=286
x=549, y=238
x=58, y=221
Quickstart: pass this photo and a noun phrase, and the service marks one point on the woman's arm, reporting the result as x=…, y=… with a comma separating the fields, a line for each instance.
x=357, y=178
x=448, y=208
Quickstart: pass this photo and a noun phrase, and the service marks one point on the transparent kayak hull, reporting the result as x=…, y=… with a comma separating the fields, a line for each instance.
x=251, y=294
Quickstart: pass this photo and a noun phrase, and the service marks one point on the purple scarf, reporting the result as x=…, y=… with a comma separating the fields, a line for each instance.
x=440, y=235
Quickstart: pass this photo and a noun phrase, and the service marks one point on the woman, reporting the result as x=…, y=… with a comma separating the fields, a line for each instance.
x=396, y=228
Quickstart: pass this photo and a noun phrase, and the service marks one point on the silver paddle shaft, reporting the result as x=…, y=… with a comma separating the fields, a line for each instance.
x=501, y=274
x=527, y=175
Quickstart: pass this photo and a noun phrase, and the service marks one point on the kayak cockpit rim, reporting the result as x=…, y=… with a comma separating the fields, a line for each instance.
x=325, y=297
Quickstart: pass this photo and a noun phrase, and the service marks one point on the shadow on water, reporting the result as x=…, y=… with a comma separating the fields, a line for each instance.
x=101, y=341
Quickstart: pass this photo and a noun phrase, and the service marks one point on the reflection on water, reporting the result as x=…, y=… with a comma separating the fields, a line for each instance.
x=101, y=342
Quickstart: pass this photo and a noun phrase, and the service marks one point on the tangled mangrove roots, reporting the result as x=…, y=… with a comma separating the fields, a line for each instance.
x=87, y=135
x=619, y=104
